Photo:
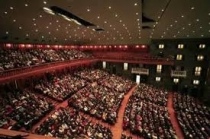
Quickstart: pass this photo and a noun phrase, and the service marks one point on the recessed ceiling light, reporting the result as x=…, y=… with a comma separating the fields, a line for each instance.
x=57, y=29
x=42, y=37
x=192, y=8
x=189, y=24
x=174, y=36
x=137, y=19
x=5, y=12
x=188, y=35
x=11, y=8
x=34, y=24
x=137, y=13
x=162, y=10
x=88, y=10
x=193, y=31
x=14, y=20
x=27, y=35
x=183, y=28
x=209, y=30
x=209, y=14
x=197, y=20
x=182, y=16
x=135, y=4
x=57, y=21
x=202, y=35
x=44, y=2
x=158, y=17
x=105, y=22
x=36, y=30
x=171, y=25
x=201, y=27
x=20, y=27
x=49, y=32
x=26, y=5
x=98, y=17
x=7, y=32
x=34, y=19
x=110, y=7
x=120, y=21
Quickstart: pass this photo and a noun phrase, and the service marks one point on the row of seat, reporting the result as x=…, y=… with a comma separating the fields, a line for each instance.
x=145, y=116
x=193, y=116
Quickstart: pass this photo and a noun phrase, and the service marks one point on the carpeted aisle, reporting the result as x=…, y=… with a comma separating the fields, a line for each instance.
x=173, y=117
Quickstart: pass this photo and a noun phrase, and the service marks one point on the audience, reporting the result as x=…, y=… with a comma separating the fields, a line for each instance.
x=123, y=136
x=91, y=75
x=20, y=58
x=70, y=123
x=145, y=116
x=22, y=109
x=193, y=117
x=60, y=87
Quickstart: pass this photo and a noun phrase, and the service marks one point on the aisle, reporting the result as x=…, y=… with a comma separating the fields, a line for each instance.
x=173, y=117
x=117, y=128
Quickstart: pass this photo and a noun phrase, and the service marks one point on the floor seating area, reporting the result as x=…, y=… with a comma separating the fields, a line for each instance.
x=146, y=114
x=60, y=87
x=21, y=58
x=193, y=117
x=20, y=110
x=91, y=75
x=70, y=123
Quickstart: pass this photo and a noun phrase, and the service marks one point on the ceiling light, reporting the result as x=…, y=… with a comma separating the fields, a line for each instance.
x=7, y=32
x=209, y=14
x=49, y=32
x=120, y=21
x=182, y=16
x=189, y=24
x=14, y=20
x=110, y=7
x=11, y=8
x=201, y=27
x=105, y=22
x=88, y=10
x=42, y=37
x=192, y=8
x=26, y=5
x=116, y=15
x=188, y=35
x=183, y=28
x=48, y=10
x=34, y=19
x=162, y=10
x=57, y=21
x=137, y=13
x=20, y=27
x=5, y=12
x=135, y=4
x=176, y=21
x=34, y=24
x=44, y=2
x=197, y=20
x=36, y=30
x=27, y=35
x=202, y=35
x=174, y=36
x=98, y=17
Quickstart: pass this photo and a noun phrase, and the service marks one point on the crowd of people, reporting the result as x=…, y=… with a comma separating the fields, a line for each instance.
x=70, y=123
x=193, y=117
x=98, y=101
x=19, y=58
x=116, y=82
x=60, y=87
x=20, y=110
x=145, y=116
x=91, y=75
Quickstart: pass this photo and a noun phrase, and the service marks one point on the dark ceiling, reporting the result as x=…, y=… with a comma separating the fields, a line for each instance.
x=116, y=21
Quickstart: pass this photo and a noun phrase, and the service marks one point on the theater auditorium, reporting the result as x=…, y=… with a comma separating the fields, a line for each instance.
x=104, y=69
